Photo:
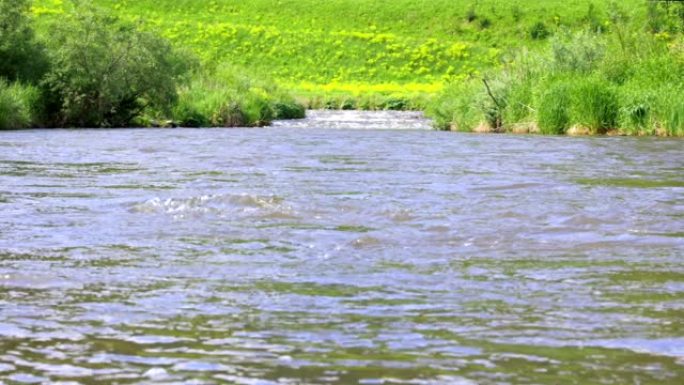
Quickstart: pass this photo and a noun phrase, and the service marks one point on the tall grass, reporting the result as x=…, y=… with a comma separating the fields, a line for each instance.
x=18, y=105
x=226, y=97
x=595, y=105
x=553, y=113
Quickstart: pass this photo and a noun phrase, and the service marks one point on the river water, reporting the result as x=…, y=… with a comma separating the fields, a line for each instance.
x=295, y=255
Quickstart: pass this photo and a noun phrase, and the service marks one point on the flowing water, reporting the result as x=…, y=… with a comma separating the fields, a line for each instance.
x=289, y=255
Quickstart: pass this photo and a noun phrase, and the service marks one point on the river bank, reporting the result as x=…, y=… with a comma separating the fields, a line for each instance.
x=607, y=69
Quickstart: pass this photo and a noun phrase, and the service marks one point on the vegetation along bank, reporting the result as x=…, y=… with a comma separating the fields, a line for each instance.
x=552, y=67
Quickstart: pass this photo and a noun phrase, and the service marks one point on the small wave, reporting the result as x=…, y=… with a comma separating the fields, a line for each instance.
x=270, y=206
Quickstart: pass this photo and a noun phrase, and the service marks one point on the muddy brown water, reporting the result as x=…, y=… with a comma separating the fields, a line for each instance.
x=337, y=251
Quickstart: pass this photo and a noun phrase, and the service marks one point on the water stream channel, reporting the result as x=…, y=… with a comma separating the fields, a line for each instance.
x=340, y=250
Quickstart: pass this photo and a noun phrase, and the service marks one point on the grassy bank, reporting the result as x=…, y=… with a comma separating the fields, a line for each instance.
x=378, y=54
x=625, y=78
x=76, y=64
x=553, y=66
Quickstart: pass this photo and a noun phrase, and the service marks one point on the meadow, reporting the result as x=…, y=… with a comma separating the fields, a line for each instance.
x=430, y=55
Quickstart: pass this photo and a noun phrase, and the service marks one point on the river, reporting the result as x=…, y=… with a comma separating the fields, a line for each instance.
x=349, y=255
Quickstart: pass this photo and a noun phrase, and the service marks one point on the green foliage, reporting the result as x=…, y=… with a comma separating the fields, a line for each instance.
x=471, y=15
x=538, y=31
x=665, y=16
x=616, y=80
x=519, y=100
x=106, y=72
x=456, y=108
x=18, y=105
x=227, y=97
x=21, y=57
x=577, y=52
x=485, y=22
x=289, y=110
x=494, y=106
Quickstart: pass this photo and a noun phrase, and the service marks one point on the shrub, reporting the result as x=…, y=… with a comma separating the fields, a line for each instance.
x=553, y=115
x=396, y=104
x=227, y=97
x=289, y=110
x=579, y=52
x=348, y=104
x=21, y=57
x=494, y=105
x=665, y=16
x=188, y=115
x=538, y=31
x=485, y=22
x=638, y=114
x=257, y=110
x=471, y=15
x=516, y=12
x=456, y=108
x=518, y=100
x=107, y=72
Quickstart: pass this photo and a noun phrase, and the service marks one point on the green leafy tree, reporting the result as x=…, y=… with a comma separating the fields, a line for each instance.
x=106, y=72
x=21, y=57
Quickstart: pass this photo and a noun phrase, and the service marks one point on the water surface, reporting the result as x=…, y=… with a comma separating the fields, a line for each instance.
x=289, y=255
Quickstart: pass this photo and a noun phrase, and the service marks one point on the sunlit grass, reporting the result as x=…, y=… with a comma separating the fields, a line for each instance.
x=402, y=47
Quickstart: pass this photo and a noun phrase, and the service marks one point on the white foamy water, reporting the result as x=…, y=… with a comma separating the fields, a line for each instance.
x=360, y=120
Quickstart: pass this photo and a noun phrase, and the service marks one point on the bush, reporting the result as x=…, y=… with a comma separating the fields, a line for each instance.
x=471, y=15
x=348, y=104
x=188, y=115
x=518, y=100
x=485, y=22
x=456, y=108
x=495, y=104
x=106, y=72
x=538, y=31
x=396, y=104
x=580, y=52
x=289, y=110
x=553, y=115
x=21, y=57
x=17, y=105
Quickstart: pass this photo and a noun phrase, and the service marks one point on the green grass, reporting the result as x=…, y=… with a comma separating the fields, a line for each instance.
x=339, y=48
x=226, y=97
x=17, y=105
